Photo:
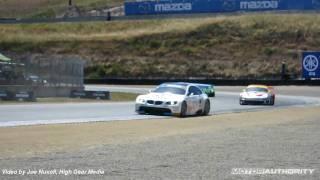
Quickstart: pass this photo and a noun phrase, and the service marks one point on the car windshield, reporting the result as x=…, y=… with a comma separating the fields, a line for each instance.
x=204, y=87
x=173, y=90
x=257, y=89
x=34, y=77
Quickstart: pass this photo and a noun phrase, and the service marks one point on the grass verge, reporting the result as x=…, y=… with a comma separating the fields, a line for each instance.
x=244, y=46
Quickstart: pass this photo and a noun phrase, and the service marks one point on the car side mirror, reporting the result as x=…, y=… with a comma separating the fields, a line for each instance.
x=191, y=94
x=150, y=90
x=243, y=90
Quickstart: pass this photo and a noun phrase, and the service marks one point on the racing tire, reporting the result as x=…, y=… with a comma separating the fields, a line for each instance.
x=206, y=109
x=140, y=112
x=241, y=102
x=271, y=103
x=184, y=108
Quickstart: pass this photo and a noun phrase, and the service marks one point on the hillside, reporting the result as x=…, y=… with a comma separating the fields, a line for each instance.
x=246, y=46
x=48, y=8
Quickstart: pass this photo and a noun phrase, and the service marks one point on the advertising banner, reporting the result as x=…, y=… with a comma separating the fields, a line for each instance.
x=153, y=7
x=25, y=96
x=4, y=95
x=105, y=95
x=311, y=65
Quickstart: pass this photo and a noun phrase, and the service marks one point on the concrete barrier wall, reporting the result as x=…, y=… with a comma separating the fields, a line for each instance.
x=156, y=81
x=42, y=91
x=54, y=91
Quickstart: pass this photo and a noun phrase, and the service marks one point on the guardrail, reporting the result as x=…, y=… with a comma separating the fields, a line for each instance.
x=54, y=20
x=221, y=82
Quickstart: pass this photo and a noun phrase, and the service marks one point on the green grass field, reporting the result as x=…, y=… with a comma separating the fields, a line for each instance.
x=244, y=46
x=48, y=8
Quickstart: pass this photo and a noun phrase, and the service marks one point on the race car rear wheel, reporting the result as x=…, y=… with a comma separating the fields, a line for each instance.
x=184, y=108
x=206, y=109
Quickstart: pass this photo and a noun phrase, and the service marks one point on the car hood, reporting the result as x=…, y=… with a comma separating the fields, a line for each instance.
x=254, y=94
x=162, y=97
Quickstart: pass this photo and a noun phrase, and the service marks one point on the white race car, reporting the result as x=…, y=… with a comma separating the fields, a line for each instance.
x=257, y=94
x=180, y=99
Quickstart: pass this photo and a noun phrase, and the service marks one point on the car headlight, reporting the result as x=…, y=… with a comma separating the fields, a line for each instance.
x=140, y=100
x=243, y=96
x=266, y=95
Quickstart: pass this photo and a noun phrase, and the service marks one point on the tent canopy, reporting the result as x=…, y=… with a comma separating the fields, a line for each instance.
x=4, y=58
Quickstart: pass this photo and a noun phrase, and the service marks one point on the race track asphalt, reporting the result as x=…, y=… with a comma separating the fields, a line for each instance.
x=32, y=114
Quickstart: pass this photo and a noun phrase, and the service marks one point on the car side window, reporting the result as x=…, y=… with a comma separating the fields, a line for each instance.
x=197, y=91
x=190, y=91
x=193, y=90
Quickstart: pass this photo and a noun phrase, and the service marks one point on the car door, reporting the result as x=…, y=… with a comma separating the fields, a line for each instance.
x=190, y=99
x=193, y=102
x=199, y=100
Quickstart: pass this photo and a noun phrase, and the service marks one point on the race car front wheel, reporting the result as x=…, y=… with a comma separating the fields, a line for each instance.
x=242, y=102
x=184, y=108
x=271, y=102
